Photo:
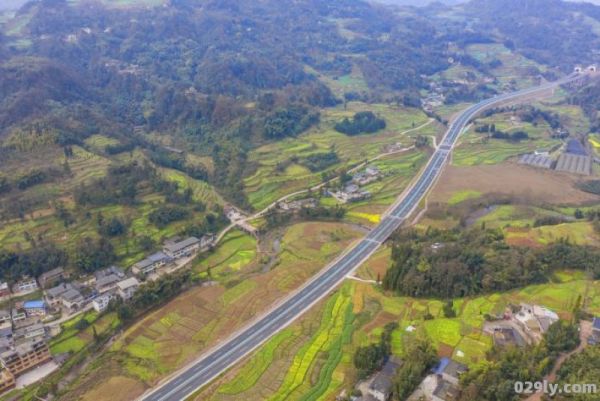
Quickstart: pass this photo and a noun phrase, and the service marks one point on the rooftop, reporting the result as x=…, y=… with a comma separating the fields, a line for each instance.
x=52, y=273
x=381, y=383
x=108, y=271
x=128, y=283
x=150, y=260
x=178, y=246
x=58, y=290
x=107, y=280
x=451, y=368
x=446, y=391
x=72, y=295
x=37, y=304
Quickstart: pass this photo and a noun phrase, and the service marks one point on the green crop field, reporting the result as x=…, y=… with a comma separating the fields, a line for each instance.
x=319, y=366
x=495, y=151
x=99, y=142
x=236, y=250
x=309, y=373
x=74, y=339
x=252, y=371
x=462, y=196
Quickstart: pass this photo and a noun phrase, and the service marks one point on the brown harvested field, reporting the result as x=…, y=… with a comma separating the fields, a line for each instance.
x=380, y=320
x=376, y=265
x=445, y=351
x=511, y=179
x=116, y=387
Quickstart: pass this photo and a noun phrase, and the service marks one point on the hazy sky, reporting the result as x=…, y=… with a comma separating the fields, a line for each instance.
x=11, y=4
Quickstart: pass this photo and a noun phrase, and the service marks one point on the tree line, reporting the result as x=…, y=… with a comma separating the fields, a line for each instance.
x=458, y=263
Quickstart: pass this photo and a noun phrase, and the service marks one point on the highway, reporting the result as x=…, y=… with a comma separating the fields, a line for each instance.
x=215, y=361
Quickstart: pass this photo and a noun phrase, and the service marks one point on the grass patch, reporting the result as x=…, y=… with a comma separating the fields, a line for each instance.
x=462, y=196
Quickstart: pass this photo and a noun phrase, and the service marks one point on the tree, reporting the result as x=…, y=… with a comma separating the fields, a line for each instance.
x=114, y=227
x=145, y=242
x=420, y=356
x=562, y=336
x=63, y=213
x=421, y=141
x=92, y=255
x=448, y=309
x=362, y=122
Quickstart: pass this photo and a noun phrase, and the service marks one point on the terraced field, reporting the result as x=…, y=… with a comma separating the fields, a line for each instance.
x=169, y=337
x=308, y=374
x=297, y=363
x=74, y=339
x=267, y=184
x=514, y=67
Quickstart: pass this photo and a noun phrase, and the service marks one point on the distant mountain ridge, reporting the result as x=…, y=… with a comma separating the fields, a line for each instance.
x=419, y=3
x=11, y=4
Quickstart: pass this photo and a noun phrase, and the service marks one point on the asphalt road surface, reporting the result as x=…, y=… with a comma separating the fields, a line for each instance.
x=194, y=376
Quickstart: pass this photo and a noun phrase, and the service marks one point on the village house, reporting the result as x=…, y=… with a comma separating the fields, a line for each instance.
x=4, y=316
x=72, y=300
x=370, y=174
x=31, y=332
x=101, y=303
x=51, y=278
x=127, y=288
x=7, y=380
x=445, y=379
x=535, y=320
x=18, y=314
x=25, y=356
x=151, y=263
x=54, y=295
x=26, y=285
x=508, y=336
x=6, y=330
x=450, y=370
x=111, y=270
x=298, y=204
x=445, y=391
x=107, y=283
x=232, y=213
x=380, y=388
x=351, y=193
x=4, y=290
x=594, y=339
x=183, y=248
x=35, y=308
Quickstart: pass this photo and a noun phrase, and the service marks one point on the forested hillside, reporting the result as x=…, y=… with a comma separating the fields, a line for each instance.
x=188, y=88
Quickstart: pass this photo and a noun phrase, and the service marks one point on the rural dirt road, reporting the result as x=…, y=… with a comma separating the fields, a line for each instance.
x=585, y=331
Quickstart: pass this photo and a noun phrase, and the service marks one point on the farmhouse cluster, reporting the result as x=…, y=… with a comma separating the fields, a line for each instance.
x=352, y=192
x=519, y=326
x=36, y=308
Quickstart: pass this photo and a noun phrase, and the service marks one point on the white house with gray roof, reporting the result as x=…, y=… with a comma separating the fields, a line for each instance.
x=127, y=288
x=151, y=263
x=182, y=248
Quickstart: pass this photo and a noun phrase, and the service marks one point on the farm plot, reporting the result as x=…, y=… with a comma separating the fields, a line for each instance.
x=305, y=355
x=171, y=336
